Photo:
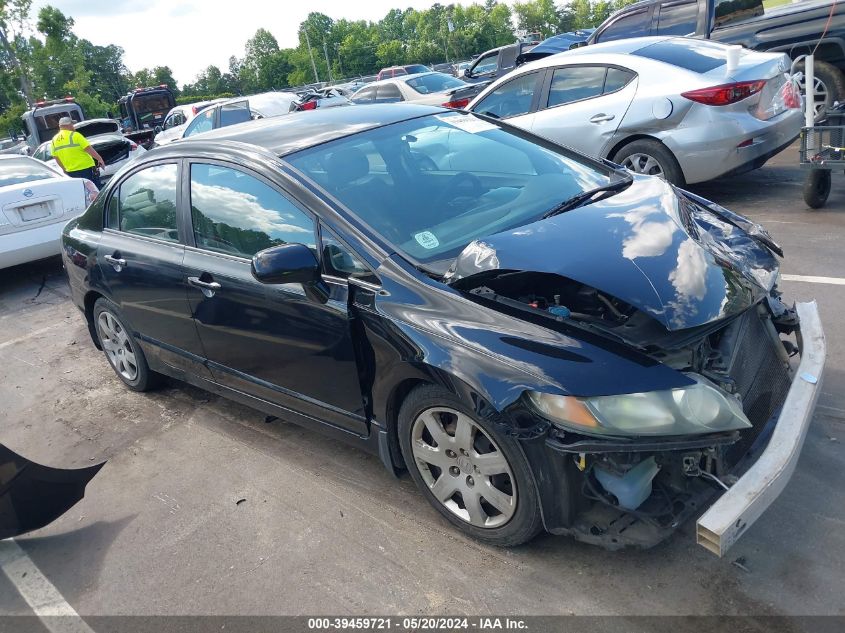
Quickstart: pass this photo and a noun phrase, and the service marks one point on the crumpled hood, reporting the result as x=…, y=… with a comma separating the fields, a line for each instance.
x=681, y=259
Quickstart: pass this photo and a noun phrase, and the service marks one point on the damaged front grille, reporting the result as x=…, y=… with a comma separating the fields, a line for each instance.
x=759, y=373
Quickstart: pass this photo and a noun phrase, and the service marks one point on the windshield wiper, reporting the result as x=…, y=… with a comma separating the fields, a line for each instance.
x=582, y=198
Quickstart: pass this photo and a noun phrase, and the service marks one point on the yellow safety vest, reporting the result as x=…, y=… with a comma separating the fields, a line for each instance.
x=69, y=147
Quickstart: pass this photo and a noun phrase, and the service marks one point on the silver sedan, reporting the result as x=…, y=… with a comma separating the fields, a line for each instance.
x=671, y=107
x=423, y=88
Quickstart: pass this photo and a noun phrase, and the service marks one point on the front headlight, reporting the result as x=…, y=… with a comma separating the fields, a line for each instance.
x=699, y=408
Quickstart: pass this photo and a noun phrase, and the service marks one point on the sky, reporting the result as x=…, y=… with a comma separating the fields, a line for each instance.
x=189, y=35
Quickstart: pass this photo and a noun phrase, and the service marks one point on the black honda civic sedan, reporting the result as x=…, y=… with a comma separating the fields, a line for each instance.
x=543, y=340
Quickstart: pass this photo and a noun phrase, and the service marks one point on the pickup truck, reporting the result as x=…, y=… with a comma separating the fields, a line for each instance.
x=797, y=29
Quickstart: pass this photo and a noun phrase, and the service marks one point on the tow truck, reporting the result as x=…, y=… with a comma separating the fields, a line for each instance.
x=42, y=120
x=144, y=109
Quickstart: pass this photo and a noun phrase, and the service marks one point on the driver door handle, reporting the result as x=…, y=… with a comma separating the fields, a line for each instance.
x=602, y=118
x=117, y=262
x=208, y=287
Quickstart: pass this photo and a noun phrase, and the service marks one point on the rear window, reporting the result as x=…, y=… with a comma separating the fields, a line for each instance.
x=438, y=82
x=17, y=171
x=695, y=55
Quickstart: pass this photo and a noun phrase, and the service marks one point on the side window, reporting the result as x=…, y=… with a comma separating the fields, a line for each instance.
x=366, y=95
x=145, y=204
x=575, y=83
x=203, y=122
x=237, y=214
x=730, y=11
x=232, y=113
x=636, y=24
x=339, y=261
x=616, y=79
x=677, y=18
x=486, y=64
x=511, y=98
x=388, y=93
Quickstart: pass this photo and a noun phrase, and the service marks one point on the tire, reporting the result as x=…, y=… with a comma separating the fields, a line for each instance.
x=832, y=85
x=121, y=349
x=650, y=157
x=817, y=188
x=488, y=465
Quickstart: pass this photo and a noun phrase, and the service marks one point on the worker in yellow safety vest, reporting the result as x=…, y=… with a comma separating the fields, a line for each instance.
x=74, y=154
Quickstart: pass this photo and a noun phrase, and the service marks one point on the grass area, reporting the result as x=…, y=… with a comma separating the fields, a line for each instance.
x=771, y=4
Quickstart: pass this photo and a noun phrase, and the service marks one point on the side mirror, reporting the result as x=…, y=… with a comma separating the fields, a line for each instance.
x=157, y=129
x=286, y=264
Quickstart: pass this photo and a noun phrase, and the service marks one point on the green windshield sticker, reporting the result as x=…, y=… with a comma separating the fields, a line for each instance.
x=427, y=239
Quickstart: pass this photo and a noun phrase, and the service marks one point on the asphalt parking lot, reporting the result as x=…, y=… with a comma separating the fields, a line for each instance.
x=206, y=508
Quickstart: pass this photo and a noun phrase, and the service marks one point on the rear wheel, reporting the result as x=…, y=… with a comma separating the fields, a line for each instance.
x=121, y=349
x=817, y=188
x=474, y=476
x=829, y=87
x=651, y=158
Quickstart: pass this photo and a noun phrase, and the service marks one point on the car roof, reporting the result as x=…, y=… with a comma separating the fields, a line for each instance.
x=300, y=130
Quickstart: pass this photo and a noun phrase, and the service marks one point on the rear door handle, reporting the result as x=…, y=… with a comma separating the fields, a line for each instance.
x=118, y=263
x=208, y=287
x=602, y=118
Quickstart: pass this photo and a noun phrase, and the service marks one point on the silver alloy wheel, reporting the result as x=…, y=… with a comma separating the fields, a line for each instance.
x=117, y=346
x=464, y=468
x=820, y=92
x=640, y=163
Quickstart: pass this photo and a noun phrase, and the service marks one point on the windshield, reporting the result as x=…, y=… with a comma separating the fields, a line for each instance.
x=433, y=184
x=435, y=82
x=155, y=105
x=17, y=171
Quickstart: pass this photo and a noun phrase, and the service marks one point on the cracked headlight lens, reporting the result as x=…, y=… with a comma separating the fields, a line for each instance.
x=698, y=408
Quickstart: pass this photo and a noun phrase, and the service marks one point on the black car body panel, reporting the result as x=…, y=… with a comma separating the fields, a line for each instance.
x=32, y=495
x=638, y=252
x=344, y=362
x=797, y=28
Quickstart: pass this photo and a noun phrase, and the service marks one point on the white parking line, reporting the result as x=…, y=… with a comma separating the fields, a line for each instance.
x=33, y=334
x=836, y=281
x=40, y=594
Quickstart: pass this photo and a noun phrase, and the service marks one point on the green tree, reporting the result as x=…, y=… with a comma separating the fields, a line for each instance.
x=538, y=16
x=13, y=15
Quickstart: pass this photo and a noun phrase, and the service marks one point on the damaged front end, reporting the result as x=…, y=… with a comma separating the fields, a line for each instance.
x=690, y=286
x=33, y=496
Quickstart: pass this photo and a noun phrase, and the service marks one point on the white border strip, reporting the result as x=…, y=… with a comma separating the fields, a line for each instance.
x=40, y=594
x=836, y=281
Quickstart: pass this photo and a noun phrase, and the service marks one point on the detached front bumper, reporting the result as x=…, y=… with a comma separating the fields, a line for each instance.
x=728, y=518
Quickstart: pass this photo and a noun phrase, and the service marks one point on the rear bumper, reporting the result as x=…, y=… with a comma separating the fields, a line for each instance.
x=728, y=518
x=708, y=148
x=31, y=244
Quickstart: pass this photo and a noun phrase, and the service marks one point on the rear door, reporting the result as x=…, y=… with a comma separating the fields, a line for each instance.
x=581, y=106
x=270, y=341
x=140, y=258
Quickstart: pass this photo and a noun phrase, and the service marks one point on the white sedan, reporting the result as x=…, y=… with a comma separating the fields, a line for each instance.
x=35, y=204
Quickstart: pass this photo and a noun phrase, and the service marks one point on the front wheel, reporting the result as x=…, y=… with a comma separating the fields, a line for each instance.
x=477, y=478
x=817, y=188
x=652, y=158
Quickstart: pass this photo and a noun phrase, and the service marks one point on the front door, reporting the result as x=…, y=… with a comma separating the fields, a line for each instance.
x=140, y=257
x=270, y=341
x=582, y=106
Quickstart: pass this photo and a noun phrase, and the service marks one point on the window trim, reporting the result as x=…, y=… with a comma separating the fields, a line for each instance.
x=186, y=214
x=215, y=117
x=547, y=85
x=324, y=267
x=114, y=190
